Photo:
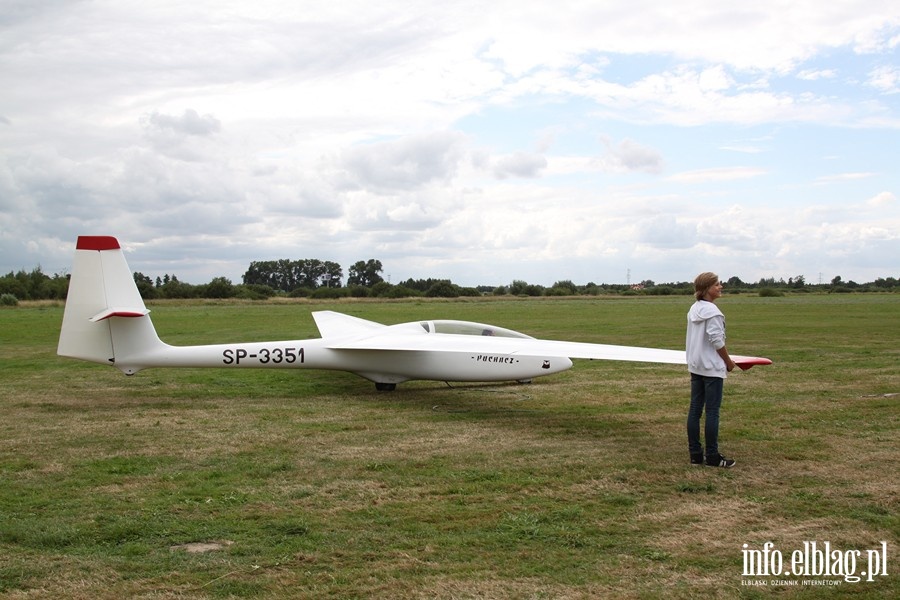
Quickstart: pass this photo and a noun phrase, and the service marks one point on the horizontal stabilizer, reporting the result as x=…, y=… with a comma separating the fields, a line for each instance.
x=120, y=312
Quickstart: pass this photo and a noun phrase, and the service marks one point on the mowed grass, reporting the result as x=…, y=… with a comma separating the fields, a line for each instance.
x=309, y=484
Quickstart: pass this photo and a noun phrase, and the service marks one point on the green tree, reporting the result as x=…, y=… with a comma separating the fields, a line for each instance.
x=563, y=288
x=443, y=289
x=145, y=285
x=518, y=287
x=220, y=287
x=10, y=284
x=365, y=273
x=176, y=289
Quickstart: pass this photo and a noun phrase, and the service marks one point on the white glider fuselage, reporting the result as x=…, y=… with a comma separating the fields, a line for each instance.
x=106, y=322
x=384, y=366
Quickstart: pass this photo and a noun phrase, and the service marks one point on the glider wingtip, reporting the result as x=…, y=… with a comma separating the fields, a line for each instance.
x=746, y=365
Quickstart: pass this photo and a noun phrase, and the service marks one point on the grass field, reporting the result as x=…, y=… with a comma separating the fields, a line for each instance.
x=309, y=484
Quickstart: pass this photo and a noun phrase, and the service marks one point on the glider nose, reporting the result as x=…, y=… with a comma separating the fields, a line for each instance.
x=556, y=364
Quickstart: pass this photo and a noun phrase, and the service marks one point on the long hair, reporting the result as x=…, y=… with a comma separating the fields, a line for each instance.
x=703, y=282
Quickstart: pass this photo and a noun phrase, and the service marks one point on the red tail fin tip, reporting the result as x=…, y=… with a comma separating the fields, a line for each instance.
x=97, y=242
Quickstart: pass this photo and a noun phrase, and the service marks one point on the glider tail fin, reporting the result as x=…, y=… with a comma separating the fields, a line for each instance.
x=105, y=320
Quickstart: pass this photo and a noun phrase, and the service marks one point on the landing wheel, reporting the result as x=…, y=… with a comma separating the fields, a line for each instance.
x=385, y=387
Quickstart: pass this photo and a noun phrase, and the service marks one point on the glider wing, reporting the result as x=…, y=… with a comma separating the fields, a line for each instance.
x=512, y=346
x=419, y=342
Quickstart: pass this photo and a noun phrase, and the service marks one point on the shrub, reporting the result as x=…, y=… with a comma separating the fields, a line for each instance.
x=558, y=291
x=443, y=289
x=8, y=300
x=770, y=293
x=254, y=291
x=401, y=291
x=300, y=292
x=329, y=293
x=382, y=289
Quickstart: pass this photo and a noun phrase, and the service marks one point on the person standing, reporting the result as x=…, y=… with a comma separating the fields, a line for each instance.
x=709, y=364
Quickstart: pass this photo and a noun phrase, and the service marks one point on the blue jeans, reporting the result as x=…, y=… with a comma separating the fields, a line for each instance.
x=705, y=392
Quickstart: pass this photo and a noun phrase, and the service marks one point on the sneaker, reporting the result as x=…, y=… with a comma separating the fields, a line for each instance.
x=719, y=461
x=696, y=460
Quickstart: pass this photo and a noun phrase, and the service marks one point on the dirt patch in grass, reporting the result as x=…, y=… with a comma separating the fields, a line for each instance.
x=201, y=547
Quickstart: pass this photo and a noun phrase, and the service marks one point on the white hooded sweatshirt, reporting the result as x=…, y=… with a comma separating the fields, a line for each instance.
x=705, y=335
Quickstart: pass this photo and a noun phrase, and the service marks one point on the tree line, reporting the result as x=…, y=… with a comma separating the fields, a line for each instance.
x=324, y=279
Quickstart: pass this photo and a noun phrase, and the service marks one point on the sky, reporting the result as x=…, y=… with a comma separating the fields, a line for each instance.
x=483, y=142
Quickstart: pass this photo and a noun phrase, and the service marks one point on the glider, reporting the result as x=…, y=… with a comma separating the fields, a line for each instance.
x=105, y=321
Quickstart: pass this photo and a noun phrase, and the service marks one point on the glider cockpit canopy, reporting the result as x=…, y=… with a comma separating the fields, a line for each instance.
x=470, y=328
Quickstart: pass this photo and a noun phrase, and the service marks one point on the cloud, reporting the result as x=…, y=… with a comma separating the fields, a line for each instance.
x=840, y=177
x=403, y=164
x=189, y=123
x=885, y=79
x=717, y=174
x=492, y=140
x=187, y=137
x=632, y=156
x=816, y=74
x=519, y=164
x=882, y=200
x=666, y=232
x=745, y=148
